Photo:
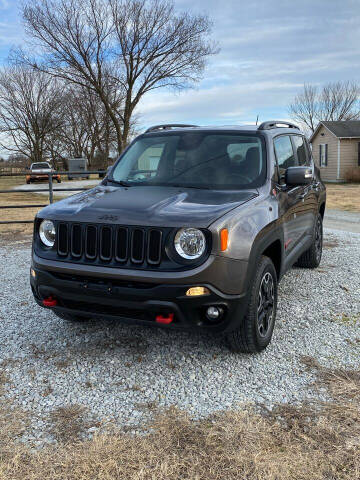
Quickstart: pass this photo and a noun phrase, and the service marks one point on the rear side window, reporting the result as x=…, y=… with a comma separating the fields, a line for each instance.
x=284, y=153
x=301, y=150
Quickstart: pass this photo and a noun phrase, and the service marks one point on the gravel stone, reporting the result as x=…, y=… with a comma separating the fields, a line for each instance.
x=114, y=370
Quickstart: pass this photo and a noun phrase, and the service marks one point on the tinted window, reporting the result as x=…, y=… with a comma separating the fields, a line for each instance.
x=284, y=153
x=40, y=165
x=194, y=159
x=301, y=150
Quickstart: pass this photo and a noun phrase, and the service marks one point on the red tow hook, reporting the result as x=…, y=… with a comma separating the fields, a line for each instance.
x=50, y=302
x=165, y=319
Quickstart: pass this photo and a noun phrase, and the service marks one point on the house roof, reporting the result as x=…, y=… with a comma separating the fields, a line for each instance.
x=341, y=129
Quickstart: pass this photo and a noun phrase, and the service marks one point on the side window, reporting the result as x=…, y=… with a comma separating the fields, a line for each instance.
x=301, y=150
x=284, y=153
x=323, y=154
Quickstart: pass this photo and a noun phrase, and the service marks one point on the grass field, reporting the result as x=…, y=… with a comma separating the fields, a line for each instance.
x=17, y=198
x=343, y=196
x=20, y=231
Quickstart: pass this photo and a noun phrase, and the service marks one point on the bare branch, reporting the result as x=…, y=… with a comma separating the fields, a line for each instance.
x=118, y=49
x=334, y=102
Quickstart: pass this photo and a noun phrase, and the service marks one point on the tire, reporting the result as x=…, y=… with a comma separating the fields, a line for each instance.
x=312, y=257
x=58, y=180
x=255, y=331
x=71, y=317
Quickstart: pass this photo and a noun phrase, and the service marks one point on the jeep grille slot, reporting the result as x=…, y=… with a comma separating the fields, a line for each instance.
x=62, y=240
x=137, y=245
x=154, y=247
x=122, y=246
x=106, y=243
x=76, y=241
x=91, y=242
x=122, y=240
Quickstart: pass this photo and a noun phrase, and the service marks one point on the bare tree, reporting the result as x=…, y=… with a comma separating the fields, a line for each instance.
x=30, y=104
x=304, y=109
x=339, y=101
x=87, y=128
x=334, y=102
x=158, y=48
x=121, y=49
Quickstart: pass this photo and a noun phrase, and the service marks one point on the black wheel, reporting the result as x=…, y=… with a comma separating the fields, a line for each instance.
x=71, y=318
x=256, y=328
x=58, y=180
x=312, y=257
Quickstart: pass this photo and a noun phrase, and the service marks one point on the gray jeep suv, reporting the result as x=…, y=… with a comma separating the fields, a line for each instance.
x=192, y=228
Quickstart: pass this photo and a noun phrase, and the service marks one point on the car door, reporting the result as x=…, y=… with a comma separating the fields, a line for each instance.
x=308, y=212
x=289, y=198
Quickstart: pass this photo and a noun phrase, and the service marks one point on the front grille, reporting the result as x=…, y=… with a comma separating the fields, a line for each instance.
x=108, y=244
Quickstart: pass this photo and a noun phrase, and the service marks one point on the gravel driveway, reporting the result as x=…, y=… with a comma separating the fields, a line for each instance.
x=119, y=373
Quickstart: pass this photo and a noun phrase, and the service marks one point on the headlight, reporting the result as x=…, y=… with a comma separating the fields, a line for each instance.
x=47, y=233
x=190, y=243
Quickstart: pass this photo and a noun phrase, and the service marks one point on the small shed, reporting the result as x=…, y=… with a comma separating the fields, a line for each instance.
x=77, y=165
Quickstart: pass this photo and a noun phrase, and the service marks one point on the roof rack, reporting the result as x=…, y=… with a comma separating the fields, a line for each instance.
x=276, y=123
x=168, y=126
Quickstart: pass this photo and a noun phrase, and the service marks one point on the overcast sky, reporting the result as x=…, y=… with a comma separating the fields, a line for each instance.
x=268, y=50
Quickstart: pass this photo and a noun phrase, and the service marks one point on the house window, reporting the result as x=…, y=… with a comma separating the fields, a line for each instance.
x=323, y=154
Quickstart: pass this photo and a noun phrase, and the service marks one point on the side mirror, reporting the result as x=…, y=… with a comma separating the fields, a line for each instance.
x=298, y=176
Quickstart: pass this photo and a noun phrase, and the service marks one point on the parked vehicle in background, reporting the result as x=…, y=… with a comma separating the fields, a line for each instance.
x=38, y=172
x=192, y=228
x=77, y=165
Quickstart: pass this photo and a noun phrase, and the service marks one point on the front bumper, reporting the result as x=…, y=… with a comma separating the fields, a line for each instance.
x=137, y=301
x=41, y=177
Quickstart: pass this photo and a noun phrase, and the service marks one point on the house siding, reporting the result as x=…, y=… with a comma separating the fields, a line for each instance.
x=330, y=171
x=348, y=154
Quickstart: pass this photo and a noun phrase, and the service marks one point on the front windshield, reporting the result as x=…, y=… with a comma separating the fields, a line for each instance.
x=40, y=165
x=194, y=160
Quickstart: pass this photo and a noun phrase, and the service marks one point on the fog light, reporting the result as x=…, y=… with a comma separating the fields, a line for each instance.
x=197, y=291
x=214, y=313
x=32, y=273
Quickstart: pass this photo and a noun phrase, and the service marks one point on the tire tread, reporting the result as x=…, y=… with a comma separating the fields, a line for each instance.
x=243, y=339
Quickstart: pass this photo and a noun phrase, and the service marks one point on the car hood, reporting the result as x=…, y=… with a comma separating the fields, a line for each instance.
x=147, y=205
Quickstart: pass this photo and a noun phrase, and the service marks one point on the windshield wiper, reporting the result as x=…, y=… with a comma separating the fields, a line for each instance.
x=179, y=185
x=121, y=182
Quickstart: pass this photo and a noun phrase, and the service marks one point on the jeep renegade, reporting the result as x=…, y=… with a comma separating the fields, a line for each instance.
x=192, y=228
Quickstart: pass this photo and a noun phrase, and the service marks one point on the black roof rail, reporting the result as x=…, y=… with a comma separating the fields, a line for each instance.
x=168, y=126
x=275, y=124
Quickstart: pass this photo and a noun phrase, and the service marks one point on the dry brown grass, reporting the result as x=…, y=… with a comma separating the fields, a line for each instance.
x=17, y=231
x=20, y=232
x=68, y=423
x=317, y=442
x=343, y=196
